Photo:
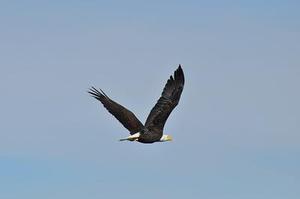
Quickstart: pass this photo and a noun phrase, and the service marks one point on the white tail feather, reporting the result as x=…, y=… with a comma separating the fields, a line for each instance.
x=133, y=137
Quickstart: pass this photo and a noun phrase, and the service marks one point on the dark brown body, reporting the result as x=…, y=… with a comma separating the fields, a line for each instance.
x=150, y=136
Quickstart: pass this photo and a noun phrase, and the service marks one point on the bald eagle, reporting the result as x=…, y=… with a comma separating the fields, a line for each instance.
x=152, y=131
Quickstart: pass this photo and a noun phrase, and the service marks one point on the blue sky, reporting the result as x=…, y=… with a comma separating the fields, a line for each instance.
x=236, y=129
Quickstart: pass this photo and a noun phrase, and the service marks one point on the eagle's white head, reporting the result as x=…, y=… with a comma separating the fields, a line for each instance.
x=165, y=138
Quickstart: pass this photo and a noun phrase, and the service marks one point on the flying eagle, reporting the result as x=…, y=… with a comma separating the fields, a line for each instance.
x=152, y=131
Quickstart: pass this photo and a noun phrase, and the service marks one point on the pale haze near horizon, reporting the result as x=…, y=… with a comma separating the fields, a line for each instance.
x=236, y=128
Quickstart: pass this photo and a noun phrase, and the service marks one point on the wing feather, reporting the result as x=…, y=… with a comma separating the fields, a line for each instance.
x=167, y=102
x=126, y=117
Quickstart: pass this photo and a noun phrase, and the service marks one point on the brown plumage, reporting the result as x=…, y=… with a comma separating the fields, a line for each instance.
x=152, y=131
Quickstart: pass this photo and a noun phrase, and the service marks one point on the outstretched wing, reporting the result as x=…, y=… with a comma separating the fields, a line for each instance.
x=126, y=117
x=167, y=102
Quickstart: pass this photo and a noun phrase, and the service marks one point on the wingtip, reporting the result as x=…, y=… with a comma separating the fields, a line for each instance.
x=178, y=74
x=180, y=67
x=94, y=92
x=90, y=90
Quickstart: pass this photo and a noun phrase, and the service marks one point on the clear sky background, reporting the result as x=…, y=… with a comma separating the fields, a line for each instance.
x=236, y=130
